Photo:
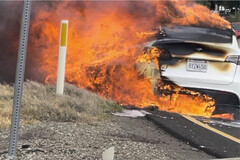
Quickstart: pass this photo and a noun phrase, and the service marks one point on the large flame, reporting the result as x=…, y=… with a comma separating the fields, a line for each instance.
x=104, y=43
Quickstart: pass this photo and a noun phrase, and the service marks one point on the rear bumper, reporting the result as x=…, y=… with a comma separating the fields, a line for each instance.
x=233, y=87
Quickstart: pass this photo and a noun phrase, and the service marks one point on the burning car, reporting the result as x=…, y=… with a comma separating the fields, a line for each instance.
x=206, y=60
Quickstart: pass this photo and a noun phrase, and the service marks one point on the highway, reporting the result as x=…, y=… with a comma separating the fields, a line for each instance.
x=220, y=138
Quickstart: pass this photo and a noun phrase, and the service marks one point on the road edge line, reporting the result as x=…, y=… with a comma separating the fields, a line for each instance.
x=211, y=128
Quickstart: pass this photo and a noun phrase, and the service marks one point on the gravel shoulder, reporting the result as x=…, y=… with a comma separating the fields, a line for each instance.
x=132, y=138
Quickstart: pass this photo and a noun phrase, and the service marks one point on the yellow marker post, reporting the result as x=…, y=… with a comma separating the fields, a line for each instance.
x=62, y=57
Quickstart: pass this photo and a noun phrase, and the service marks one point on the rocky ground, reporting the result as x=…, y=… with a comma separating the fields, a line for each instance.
x=132, y=138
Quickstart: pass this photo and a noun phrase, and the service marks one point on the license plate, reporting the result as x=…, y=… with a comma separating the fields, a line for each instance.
x=196, y=65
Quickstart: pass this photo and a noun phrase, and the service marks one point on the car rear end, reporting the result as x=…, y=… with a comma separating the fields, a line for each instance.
x=200, y=58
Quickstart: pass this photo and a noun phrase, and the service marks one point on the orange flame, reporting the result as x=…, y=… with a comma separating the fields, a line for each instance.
x=104, y=44
x=224, y=116
x=184, y=12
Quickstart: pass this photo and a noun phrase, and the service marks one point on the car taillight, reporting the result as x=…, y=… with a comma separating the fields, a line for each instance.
x=233, y=59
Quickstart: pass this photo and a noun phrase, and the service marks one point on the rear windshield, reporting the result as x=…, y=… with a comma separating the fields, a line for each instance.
x=181, y=48
x=212, y=35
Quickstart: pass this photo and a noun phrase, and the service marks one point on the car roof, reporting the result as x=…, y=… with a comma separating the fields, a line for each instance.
x=200, y=34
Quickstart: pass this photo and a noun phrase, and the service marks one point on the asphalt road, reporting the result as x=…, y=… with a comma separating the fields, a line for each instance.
x=216, y=137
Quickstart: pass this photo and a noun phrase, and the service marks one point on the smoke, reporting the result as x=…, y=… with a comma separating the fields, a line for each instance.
x=9, y=34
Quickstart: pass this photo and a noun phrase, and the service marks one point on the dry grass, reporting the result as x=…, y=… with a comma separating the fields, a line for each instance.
x=40, y=103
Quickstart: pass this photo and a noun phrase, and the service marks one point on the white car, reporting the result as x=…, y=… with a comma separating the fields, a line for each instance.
x=203, y=59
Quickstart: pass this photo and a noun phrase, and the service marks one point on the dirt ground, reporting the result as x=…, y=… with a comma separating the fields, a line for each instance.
x=132, y=138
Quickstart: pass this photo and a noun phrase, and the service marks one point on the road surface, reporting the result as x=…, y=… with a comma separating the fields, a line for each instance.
x=216, y=137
